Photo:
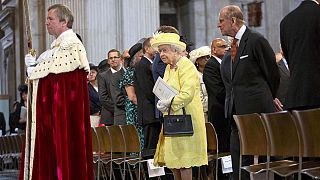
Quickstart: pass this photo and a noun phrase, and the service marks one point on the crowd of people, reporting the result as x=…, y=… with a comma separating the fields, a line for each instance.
x=213, y=84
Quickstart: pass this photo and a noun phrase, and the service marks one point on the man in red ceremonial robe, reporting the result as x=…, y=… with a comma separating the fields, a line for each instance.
x=58, y=136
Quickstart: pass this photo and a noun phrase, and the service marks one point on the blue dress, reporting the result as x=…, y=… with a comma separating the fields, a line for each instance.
x=130, y=107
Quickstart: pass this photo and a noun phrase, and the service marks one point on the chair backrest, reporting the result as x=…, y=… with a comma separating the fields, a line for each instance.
x=117, y=140
x=14, y=143
x=212, y=140
x=103, y=139
x=131, y=138
x=2, y=146
x=308, y=123
x=253, y=140
x=95, y=144
x=282, y=134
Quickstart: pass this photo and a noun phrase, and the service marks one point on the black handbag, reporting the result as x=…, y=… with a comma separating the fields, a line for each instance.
x=177, y=125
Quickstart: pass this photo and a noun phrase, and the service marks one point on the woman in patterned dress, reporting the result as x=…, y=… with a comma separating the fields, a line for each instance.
x=126, y=82
x=182, y=153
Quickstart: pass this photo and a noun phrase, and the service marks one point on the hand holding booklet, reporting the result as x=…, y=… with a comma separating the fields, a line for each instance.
x=163, y=90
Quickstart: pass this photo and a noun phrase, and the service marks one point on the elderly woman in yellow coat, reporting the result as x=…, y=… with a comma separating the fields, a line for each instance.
x=181, y=153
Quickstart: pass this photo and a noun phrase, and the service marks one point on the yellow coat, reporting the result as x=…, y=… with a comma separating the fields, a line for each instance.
x=187, y=151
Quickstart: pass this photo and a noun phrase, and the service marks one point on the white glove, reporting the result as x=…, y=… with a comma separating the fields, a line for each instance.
x=29, y=70
x=163, y=105
x=30, y=60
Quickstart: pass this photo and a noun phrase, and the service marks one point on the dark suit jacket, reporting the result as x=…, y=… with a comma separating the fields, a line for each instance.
x=118, y=98
x=2, y=124
x=284, y=81
x=158, y=68
x=216, y=100
x=253, y=78
x=143, y=86
x=95, y=105
x=300, y=42
x=104, y=86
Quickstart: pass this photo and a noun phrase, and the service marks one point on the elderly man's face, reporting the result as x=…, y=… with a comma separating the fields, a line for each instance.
x=225, y=24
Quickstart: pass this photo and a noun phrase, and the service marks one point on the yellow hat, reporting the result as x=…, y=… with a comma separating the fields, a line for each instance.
x=167, y=38
x=200, y=52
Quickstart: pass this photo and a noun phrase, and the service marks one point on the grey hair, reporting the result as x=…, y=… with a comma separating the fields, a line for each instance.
x=176, y=48
x=63, y=13
x=235, y=11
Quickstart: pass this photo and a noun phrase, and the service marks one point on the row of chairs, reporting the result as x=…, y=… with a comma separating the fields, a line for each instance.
x=281, y=134
x=120, y=145
x=116, y=146
x=10, y=153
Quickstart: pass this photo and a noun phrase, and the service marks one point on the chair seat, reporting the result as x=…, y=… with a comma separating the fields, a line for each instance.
x=314, y=173
x=212, y=156
x=294, y=168
x=261, y=167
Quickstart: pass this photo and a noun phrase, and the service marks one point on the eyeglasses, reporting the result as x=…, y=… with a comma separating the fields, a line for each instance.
x=114, y=58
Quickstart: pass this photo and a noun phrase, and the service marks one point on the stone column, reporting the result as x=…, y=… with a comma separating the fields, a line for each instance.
x=140, y=18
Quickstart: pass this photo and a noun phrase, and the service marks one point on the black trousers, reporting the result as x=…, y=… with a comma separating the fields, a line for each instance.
x=235, y=156
x=151, y=135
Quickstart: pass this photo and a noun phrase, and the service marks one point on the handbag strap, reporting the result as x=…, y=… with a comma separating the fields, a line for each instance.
x=183, y=110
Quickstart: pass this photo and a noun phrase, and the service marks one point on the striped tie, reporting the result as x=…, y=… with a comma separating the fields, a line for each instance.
x=234, y=47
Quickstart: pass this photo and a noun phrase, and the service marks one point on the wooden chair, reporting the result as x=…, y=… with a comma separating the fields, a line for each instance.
x=253, y=141
x=212, y=146
x=117, y=148
x=104, y=149
x=308, y=123
x=95, y=150
x=133, y=148
x=283, y=139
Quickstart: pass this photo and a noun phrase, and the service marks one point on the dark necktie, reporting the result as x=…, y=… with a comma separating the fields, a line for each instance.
x=234, y=47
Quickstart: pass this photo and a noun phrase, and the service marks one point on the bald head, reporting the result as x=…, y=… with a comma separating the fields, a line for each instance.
x=219, y=47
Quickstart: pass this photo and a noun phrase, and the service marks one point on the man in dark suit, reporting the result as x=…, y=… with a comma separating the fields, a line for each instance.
x=2, y=124
x=106, y=91
x=284, y=78
x=251, y=74
x=143, y=86
x=300, y=42
x=216, y=96
x=118, y=97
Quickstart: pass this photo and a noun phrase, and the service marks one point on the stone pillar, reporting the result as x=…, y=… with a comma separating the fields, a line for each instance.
x=140, y=18
x=213, y=9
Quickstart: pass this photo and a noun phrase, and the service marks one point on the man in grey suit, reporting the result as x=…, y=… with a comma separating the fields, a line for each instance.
x=250, y=74
x=112, y=112
x=300, y=42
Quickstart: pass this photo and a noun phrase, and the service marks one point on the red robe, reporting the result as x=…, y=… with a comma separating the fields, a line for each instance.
x=63, y=148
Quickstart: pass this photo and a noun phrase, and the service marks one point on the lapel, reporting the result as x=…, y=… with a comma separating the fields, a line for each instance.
x=283, y=68
x=242, y=45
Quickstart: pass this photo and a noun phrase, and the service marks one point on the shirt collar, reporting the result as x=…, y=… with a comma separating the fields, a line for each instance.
x=113, y=70
x=148, y=59
x=240, y=33
x=315, y=1
x=218, y=59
